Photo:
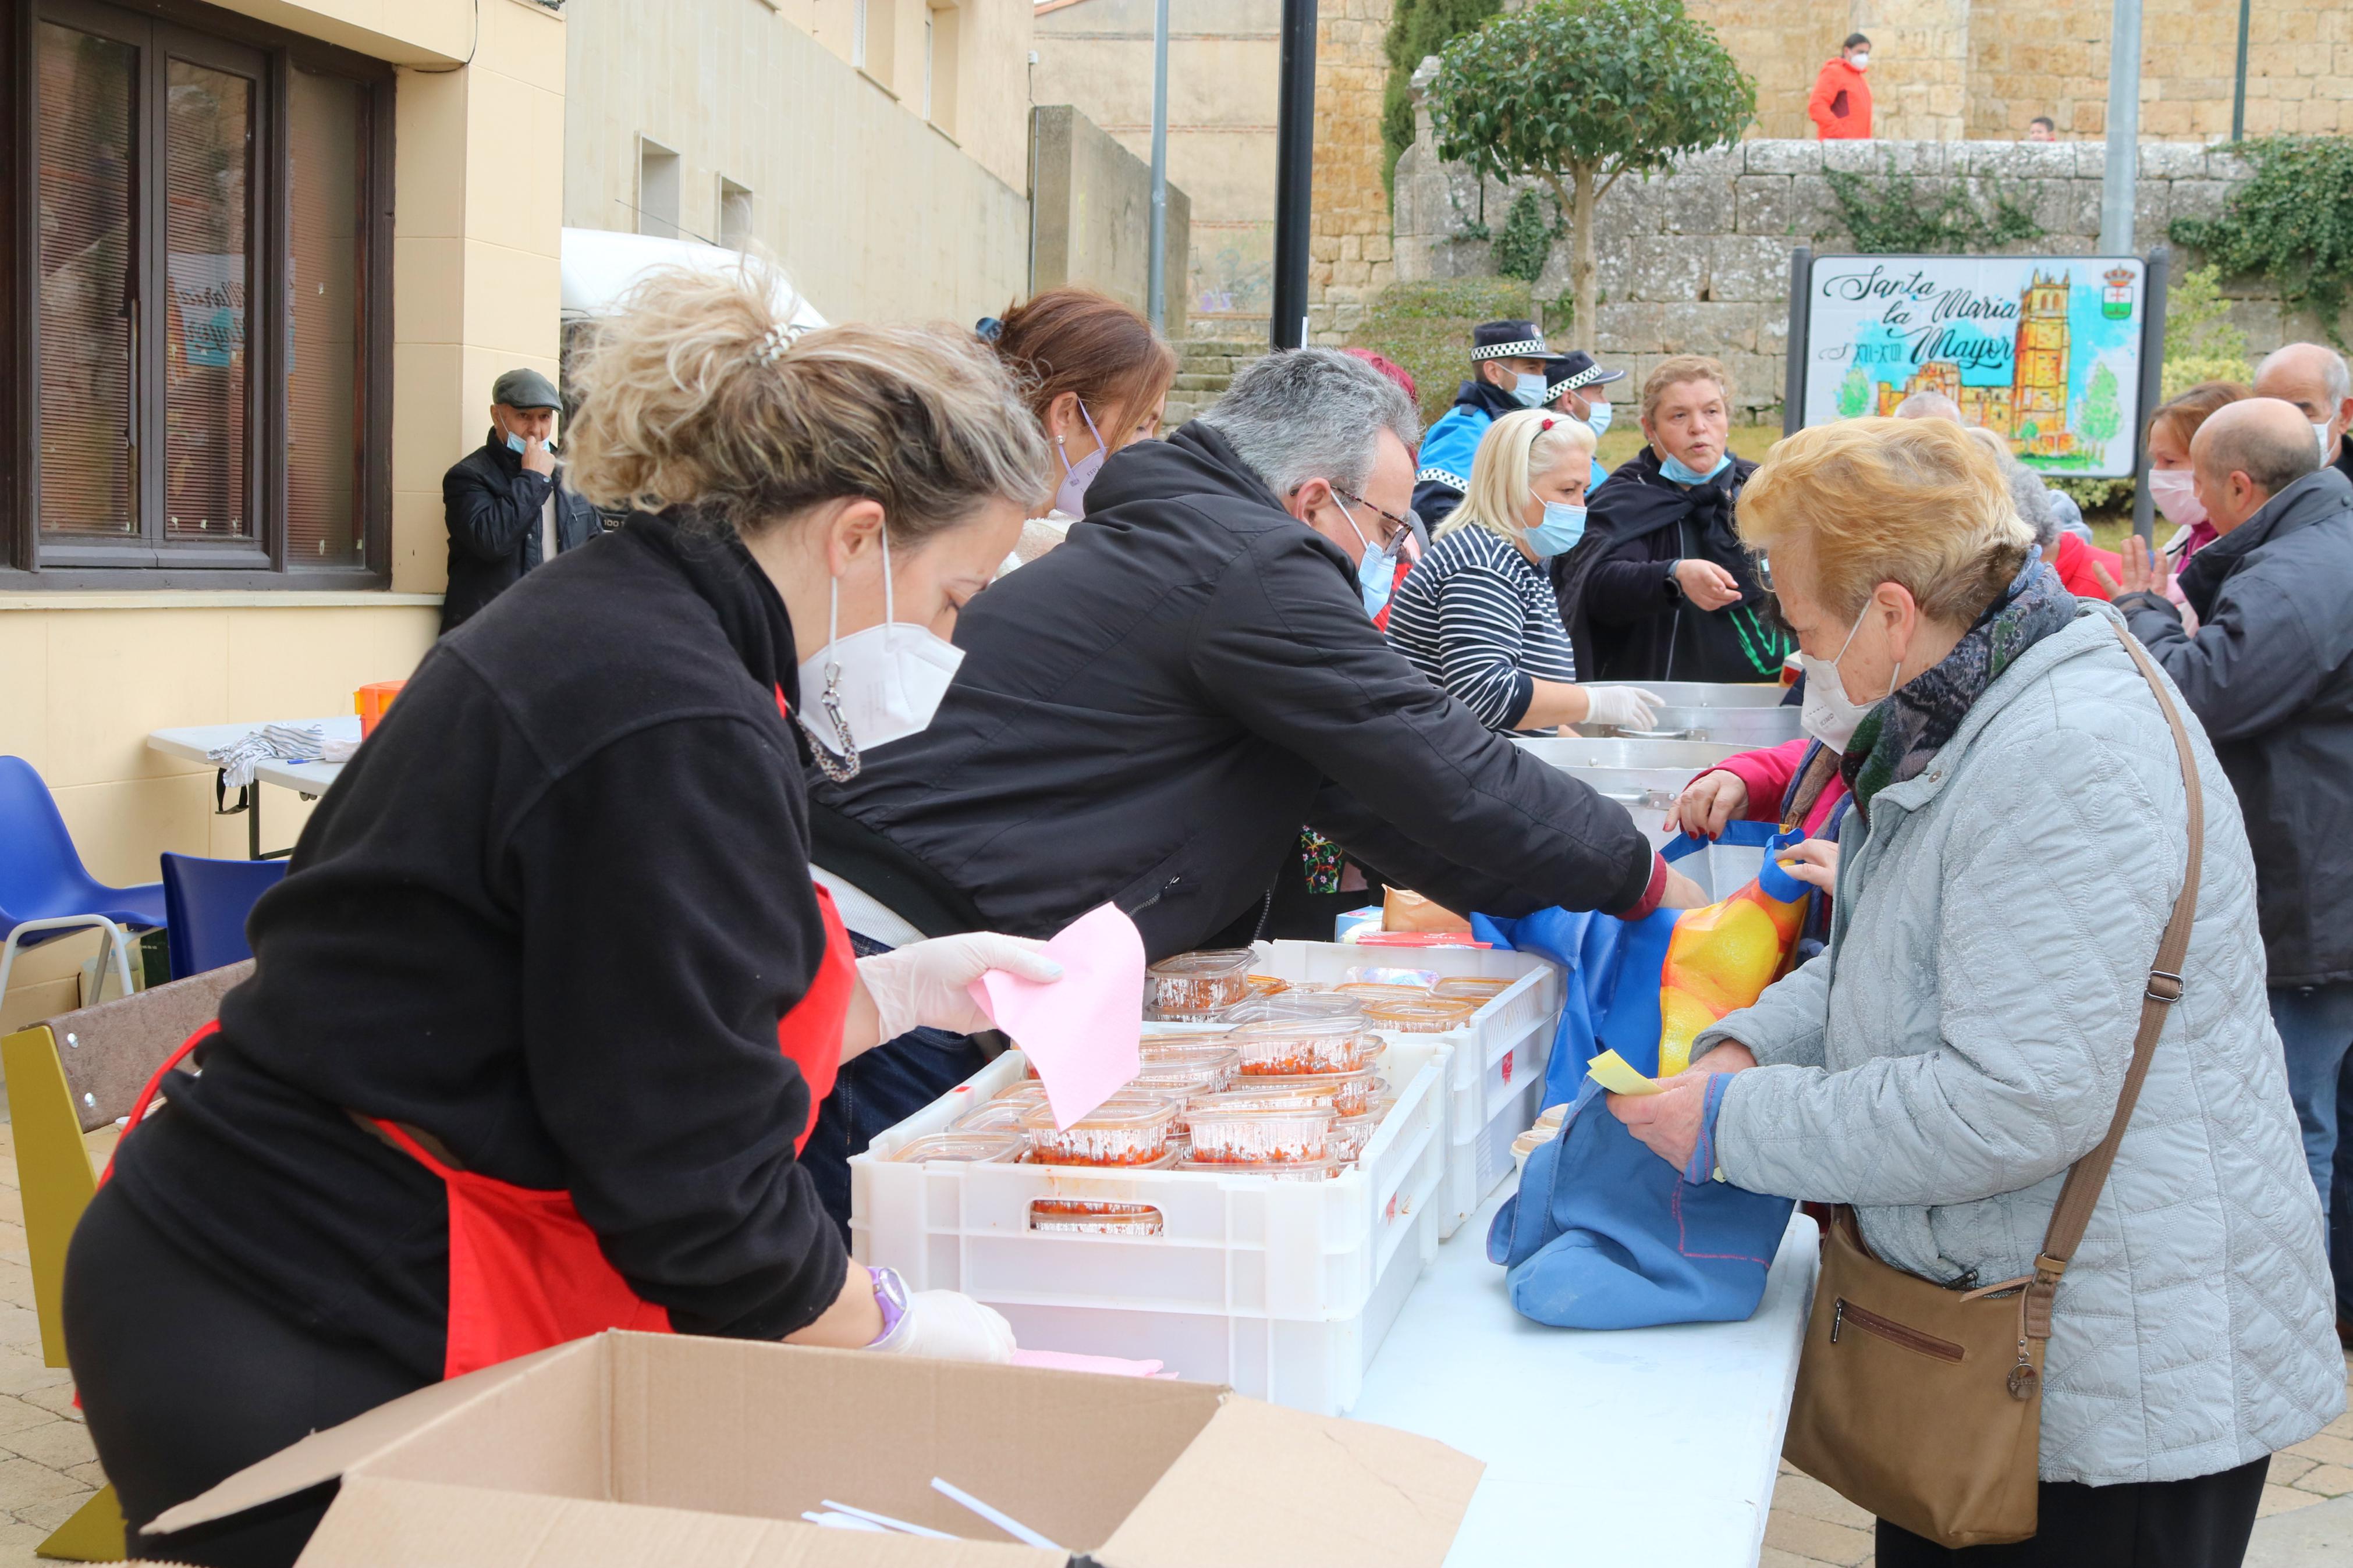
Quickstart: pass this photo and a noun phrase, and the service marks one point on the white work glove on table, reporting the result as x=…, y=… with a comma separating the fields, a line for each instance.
x=922, y=983
x=947, y=1325
x=1622, y=707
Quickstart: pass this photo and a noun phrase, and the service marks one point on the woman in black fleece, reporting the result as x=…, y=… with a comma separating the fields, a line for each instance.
x=542, y=943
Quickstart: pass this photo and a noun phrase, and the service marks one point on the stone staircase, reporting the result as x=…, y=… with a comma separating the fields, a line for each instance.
x=1205, y=368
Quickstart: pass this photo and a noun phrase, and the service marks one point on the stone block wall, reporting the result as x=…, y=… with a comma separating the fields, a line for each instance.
x=1698, y=260
x=1348, y=253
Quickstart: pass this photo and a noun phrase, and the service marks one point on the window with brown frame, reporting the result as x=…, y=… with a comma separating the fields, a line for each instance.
x=197, y=299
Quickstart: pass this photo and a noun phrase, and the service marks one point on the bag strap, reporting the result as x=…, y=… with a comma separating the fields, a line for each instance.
x=2073, y=1213
x=1822, y=768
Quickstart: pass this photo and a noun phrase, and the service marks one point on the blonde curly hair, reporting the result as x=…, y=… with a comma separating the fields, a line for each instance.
x=699, y=398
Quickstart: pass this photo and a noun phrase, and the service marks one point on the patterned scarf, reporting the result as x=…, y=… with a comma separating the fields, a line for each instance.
x=1895, y=740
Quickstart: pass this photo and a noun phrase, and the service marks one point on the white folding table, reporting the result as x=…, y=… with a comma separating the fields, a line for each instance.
x=1624, y=1449
x=196, y=742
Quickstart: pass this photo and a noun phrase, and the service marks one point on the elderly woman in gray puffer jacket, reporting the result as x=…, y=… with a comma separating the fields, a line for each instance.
x=2014, y=853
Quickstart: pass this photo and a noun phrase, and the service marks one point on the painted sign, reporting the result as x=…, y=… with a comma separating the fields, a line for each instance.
x=2043, y=350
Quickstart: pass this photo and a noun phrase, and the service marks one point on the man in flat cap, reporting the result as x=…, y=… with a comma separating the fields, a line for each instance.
x=505, y=504
x=1507, y=373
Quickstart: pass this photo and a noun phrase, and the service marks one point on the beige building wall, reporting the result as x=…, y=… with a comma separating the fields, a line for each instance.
x=1980, y=70
x=84, y=675
x=874, y=210
x=1349, y=248
x=1224, y=57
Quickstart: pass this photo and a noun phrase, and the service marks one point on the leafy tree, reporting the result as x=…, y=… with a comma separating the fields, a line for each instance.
x=2099, y=418
x=1580, y=93
x=1526, y=244
x=2292, y=223
x=1418, y=29
x=2200, y=343
x=1853, y=392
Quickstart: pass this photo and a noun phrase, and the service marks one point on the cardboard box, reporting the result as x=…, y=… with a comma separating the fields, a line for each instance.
x=650, y=1449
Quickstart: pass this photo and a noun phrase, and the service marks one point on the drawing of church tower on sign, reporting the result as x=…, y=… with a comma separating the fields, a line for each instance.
x=2038, y=394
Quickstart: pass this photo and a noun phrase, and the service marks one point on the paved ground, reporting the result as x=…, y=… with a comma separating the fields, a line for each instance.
x=46, y=1466
x=1812, y=1524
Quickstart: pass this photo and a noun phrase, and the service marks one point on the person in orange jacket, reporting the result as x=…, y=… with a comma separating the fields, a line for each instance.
x=1841, y=104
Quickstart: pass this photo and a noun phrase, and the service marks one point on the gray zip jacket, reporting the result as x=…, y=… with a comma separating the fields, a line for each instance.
x=1963, y=1040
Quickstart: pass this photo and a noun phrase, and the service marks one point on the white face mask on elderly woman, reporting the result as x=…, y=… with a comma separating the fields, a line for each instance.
x=873, y=687
x=1830, y=715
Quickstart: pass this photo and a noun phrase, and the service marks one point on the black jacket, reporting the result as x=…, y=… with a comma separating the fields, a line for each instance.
x=551, y=915
x=1148, y=714
x=2270, y=673
x=1627, y=621
x=491, y=504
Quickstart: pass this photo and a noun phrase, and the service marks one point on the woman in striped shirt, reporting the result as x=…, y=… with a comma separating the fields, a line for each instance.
x=1477, y=615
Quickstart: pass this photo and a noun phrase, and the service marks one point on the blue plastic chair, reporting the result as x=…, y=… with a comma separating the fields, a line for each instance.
x=44, y=891
x=205, y=903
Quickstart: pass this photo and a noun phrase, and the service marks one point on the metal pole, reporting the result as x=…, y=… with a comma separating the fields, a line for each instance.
x=2239, y=89
x=2124, y=130
x=2158, y=275
x=1156, y=270
x=1294, y=169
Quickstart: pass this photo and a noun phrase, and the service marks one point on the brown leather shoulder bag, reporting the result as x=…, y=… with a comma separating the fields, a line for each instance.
x=1923, y=1403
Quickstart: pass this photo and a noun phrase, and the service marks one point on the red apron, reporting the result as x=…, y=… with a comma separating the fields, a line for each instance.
x=525, y=1271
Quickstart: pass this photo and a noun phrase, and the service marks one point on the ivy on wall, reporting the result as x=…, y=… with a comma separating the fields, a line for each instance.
x=1526, y=242
x=2292, y=223
x=1418, y=28
x=1894, y=214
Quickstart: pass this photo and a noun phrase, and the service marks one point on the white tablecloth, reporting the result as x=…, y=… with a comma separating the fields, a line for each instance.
x=1638, y=1448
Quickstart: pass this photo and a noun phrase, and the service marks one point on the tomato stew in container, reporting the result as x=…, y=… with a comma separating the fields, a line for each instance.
x=1129, y=1129
x=1349, y=1093
x=1301, y=1045
x=1190, y=1064
x=1195, y=985
x=979, y=1148
x=1260, y=1132
x=1419, y=1017
x=1266, y=984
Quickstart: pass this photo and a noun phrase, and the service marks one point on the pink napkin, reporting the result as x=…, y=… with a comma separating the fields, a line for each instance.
x=1081, y=1031
x=1070, y=1361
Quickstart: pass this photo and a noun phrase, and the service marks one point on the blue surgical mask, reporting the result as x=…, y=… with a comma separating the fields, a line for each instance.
x=516, y=444
x=1377, y=571
x=1528, y=389
x=1673, y=470
x=1557, y=533
x=1596, y=415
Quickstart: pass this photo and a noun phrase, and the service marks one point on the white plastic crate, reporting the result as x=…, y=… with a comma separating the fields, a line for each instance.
x=1495, y=1079
x=1282, y=1290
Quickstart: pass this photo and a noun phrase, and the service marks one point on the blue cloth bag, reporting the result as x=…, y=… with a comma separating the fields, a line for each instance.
x=1603, y=1234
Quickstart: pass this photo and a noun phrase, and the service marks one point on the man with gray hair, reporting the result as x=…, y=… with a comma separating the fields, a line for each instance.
x=2270, y=673
x=1148, y=715
x=2317, y=381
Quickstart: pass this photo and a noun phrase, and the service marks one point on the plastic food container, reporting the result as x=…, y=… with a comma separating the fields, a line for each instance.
x=1473, y=988
x=1180, y=1062
x=1373, y=991
x=976, y=1147
x=1063, y=1216
x=1427, y=1016
x=993, y=1116
x=1351, y=1133
x=1280, y=1046
x=1266, y=984
x=1282, y=1171
x=1350, y=1093
x=1260, y=1132
x=1193, y=986
x=1125, y=1130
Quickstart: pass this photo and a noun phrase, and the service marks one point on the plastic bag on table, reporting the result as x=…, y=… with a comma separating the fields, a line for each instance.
x=1603, y=1233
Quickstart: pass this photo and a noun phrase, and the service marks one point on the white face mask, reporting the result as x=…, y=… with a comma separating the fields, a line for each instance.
x=2321, y=430
x=1071, y=495
x=873, y=687
x=1862, y=61
x=2175, y=491
x=1829, y=714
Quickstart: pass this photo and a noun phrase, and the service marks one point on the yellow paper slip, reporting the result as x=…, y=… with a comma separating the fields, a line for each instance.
x=1616, y=1074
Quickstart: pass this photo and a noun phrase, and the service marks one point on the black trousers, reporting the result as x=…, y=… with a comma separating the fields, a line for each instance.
x=186, y=1379
x=2202, y=1523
